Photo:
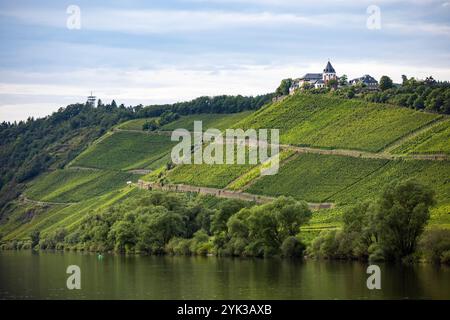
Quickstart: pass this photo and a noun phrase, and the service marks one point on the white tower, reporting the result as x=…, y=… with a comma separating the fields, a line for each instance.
x=329, y=73
x=91, y=100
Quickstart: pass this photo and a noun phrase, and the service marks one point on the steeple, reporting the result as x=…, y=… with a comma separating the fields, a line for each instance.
x=329, y=68
x=329, y=73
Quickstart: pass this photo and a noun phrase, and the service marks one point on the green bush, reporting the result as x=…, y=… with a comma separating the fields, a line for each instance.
x=435, y=245
x=445, y=257
x=292, y=247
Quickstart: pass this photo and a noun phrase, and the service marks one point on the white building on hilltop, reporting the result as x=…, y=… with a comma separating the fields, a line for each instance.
x=317, y=80
x=366, y=80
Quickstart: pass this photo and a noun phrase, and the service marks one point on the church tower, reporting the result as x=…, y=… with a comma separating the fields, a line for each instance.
x=329, y=73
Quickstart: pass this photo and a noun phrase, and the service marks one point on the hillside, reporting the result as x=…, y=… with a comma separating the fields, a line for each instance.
x=209, y=120
x=433, y=140
x=97, y=177
x=328, y=122
x=126, y=151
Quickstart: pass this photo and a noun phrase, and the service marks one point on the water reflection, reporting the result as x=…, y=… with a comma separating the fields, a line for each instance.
x=26, y=275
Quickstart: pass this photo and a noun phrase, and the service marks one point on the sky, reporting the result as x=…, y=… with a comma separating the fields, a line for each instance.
x=54, y=53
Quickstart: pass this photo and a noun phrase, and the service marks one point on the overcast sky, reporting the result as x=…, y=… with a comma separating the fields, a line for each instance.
x=166, y=51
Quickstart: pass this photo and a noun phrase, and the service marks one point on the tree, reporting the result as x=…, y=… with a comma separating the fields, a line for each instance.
x=333, y=83
x=430, y=80
x=419, y=103
x=261, y=230
x=386, y=83
x=123, y=235
x=343, y=80
x=283, y=88
x=157, y=228
x=226, y=210
x=403, y=212
x=35, y=238
x=404, y=79
x=291, y=215
x=151, y=125
x=292, y=247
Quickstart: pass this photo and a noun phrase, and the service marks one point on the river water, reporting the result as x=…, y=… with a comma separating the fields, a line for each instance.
x=42, y=275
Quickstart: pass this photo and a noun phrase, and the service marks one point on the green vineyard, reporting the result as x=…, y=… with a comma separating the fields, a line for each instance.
x=328, y=122
x=73, y=185
x=127, y=150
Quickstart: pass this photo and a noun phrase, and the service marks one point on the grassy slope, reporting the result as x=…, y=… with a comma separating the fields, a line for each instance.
x=314, y=177
x=59, y=216
x=316, y=120
x=73, y=185
x=135, y=124
x=329, y=122
x=434, y=140
x=209, y=120
x=126, y=150
x=213, y=120
x=217, y=176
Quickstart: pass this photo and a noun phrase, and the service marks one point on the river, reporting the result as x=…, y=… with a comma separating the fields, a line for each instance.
x=42, y=275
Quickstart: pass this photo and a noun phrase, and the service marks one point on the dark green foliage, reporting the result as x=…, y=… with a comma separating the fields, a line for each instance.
x=226, y=210
x=29, y=148
x=151, y=125
x=401, y=217
x=292, y=247
x=54, y=240
x=283, y=88
x=35, y=238
x=141, y=224
x=261, y=230
x=218, y=104
x=388, y=229
x=386, y=83
x=435, y=244
x=333, y=83
x=428, y=94
x=158, y=223
x=168, y=117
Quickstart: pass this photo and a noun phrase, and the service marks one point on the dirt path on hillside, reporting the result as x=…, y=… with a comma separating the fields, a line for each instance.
x=43, y=203
x=83, y=168
x=221, y=193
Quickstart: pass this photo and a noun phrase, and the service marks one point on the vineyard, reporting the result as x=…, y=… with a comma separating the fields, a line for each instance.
x=435, y=174
x=73, y=185
x=127, y=150
x=329, y=122
x=213, y=120
x=434, y=140
x=29, y=217
x=216, y=176
x=135, y=124
x=97, y=178
x=315, y=178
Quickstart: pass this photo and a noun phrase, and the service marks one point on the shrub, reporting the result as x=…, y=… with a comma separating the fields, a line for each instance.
x=292, y=247
x=434, y=244
x=375, y=253
x=445, y=257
